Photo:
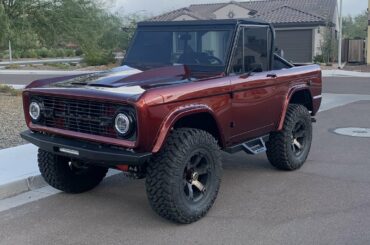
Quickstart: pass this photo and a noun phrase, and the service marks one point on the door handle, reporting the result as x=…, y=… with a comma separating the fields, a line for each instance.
x=272, y=75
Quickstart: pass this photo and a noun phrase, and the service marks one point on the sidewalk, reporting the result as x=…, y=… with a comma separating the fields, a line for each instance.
x=343, y=73
x=19, y=171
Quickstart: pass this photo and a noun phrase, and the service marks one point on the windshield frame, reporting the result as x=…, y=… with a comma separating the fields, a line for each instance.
x=190, y=28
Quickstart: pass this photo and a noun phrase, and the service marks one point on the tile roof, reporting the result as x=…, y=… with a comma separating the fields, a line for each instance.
x=291, y=11
x=286, y=14
x=177, y=13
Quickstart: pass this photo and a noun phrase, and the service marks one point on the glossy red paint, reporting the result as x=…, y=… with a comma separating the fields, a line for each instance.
x=243, y=107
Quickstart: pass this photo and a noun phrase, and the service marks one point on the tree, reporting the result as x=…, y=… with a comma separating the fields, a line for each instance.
x=355, y=27
x=4, y=25
x=53, y=23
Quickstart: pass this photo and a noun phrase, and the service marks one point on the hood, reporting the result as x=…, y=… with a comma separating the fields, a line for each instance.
x=128, y=77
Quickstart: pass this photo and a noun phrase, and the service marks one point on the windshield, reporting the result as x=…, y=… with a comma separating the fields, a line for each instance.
x=202, y=50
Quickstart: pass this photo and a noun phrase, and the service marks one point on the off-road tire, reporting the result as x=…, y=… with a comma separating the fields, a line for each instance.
x=165, y=174
x=279, y=147
x=57, y=173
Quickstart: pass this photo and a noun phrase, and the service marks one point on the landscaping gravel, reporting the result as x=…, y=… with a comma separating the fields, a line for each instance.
x=11, y=121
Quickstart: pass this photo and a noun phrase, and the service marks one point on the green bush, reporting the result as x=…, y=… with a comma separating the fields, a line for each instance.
x=60, y=52
x=318, y=59
x=52, y=53
x=16, y=54
x=70, y=52
x=31, y=53
x=79, y=52
x=99, y=58
x=42, y=53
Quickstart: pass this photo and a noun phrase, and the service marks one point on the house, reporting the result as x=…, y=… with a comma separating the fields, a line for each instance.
x=300, y=24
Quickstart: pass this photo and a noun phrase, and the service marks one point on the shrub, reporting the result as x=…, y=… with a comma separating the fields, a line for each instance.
x=318, y=59
x=62, y=66
x=30, y=53
x=42, y=53
x=99, y=58
x=79, y=52
x=60, y=52
x=69, y=52
x=12, y=66
x=16, y=54
x=52, y=53
x=9, y=90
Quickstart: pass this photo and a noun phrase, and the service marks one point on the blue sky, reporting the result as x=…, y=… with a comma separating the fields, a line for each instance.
x=155, y=7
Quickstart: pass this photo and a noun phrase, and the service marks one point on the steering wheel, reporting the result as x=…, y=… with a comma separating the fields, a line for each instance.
x=213, y=60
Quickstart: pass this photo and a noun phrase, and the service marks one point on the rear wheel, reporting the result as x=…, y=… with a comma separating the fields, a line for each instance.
x=289, y=148
x=69, y=176
x=184, y=178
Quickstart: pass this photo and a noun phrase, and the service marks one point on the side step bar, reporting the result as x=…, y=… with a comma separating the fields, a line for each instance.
x=253, y=147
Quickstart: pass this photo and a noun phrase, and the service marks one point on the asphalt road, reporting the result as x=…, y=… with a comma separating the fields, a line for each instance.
x=26, y=77
x=325, y=202
x=22, y=79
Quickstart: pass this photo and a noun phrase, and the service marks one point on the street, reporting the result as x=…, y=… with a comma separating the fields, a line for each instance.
x=16, y=77
x=325, y=202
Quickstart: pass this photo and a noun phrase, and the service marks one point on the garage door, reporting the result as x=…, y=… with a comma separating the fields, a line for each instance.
x=296, y=44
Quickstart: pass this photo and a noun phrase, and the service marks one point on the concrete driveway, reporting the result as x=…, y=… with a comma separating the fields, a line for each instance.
x=326, y=202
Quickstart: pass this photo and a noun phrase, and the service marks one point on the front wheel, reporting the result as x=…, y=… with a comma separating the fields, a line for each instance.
x=69, y=175
x=289, y=148
x=184, y=178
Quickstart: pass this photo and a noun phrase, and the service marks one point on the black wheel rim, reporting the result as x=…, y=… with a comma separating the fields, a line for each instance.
x=197, y=176
x=299, y=138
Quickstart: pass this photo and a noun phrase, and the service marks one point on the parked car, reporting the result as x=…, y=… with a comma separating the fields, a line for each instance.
x=185, y=92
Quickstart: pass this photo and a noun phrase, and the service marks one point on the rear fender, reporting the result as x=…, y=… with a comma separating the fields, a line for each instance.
x=288, y=98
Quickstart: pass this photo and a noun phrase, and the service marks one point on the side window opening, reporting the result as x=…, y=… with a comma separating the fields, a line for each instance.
x=280, y=63
x=252, y=53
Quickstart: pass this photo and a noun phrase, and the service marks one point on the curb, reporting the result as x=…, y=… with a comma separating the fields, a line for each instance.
x=342, y=73
x=30, y=184
x=21, y=186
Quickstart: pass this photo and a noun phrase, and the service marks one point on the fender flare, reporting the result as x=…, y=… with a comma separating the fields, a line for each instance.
x=176, y=115
x=288, y=97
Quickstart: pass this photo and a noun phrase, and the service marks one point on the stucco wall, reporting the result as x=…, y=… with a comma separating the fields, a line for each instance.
x=239, y=12
x=184, y=17
x=318, y=40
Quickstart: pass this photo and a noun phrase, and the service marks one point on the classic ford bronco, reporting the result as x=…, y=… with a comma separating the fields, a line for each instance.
x=186, y=91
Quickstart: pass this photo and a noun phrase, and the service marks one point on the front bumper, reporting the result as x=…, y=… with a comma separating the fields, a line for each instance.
x=91, y=152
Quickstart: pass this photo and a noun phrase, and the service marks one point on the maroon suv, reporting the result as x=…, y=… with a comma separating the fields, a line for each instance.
x=185, y=92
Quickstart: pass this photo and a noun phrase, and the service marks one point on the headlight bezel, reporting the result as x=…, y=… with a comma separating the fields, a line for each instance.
x=35, y=105
x=128, y=118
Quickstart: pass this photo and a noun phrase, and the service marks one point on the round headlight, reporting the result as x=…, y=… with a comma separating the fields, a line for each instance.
x=122, y=124
x=35, y=111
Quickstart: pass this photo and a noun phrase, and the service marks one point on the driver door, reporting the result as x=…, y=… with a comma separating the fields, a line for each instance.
x=255, y=94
